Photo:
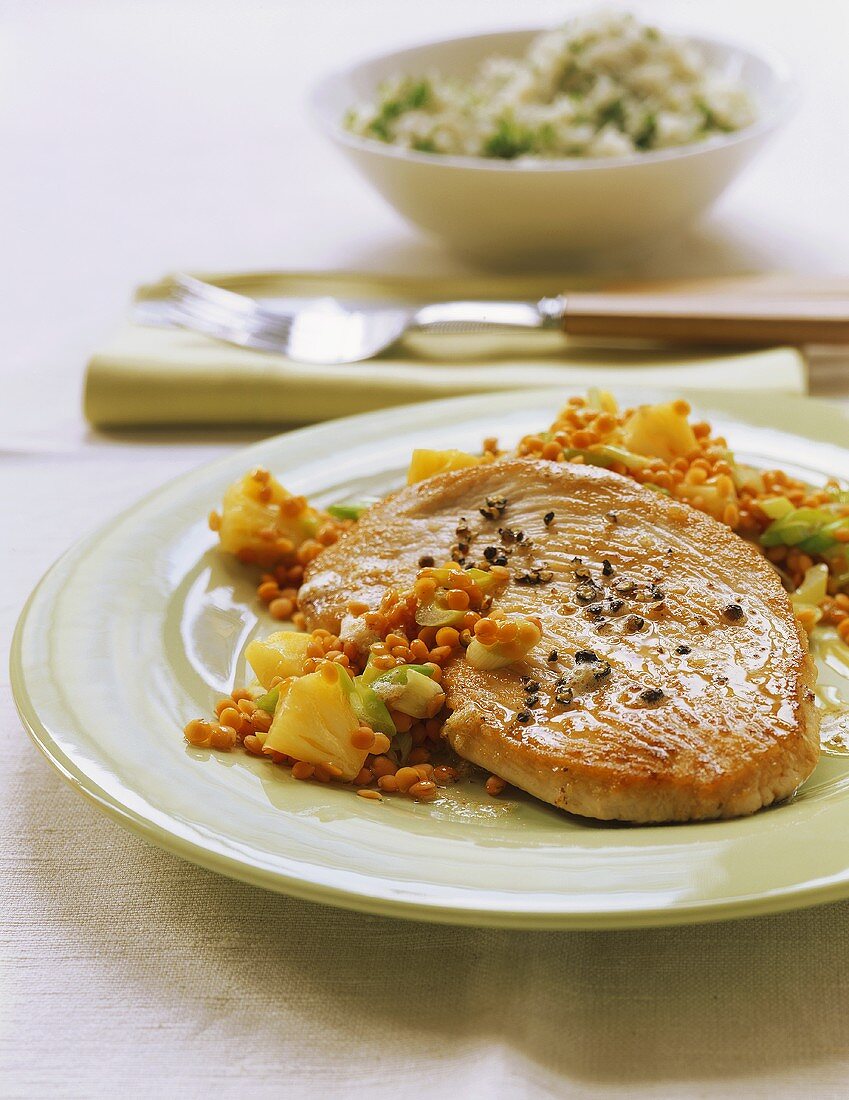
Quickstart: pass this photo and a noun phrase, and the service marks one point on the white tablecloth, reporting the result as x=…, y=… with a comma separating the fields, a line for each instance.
x=143, y=137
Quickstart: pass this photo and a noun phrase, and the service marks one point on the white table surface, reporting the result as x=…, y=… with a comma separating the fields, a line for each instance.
x=143, y=137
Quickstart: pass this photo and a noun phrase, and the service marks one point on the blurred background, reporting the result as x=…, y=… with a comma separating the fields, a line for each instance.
x=145, y=137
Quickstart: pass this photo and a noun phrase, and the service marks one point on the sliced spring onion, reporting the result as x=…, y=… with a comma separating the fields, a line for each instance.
x=401, y=747
x=399, y=675
x=410, y=692
x=347, y=511
x=811, y=529
x=486, y=657
x=814, y=587
x=268, y=702
x=743, y=475
x=604, y=454
x=486, y=582
x=366, y=704
x=500, y=654
x=776, y=507
x=434, y=614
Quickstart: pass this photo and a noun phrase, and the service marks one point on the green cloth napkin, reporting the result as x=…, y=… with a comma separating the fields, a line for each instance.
x=148, y=376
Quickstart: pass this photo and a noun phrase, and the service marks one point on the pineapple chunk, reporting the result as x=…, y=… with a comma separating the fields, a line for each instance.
x=260, y=519
x=603, y=400
x=660, y=431
x=314, y=722
x=425, y=463
x=280, y=654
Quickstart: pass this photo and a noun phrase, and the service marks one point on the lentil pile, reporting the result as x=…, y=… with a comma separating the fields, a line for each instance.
x=266, y=518
x=706, y=477
x=240, y=721
x=427, y=763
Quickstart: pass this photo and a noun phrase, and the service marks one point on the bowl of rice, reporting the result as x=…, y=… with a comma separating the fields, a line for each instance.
x=598, y=134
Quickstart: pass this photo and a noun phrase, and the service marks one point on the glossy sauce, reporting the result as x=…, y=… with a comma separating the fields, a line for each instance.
x=832, y=658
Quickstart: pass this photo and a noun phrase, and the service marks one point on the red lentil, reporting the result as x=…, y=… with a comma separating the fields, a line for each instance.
x=223, y=738
x=198, y=732
x=380, y=744
x=424, y=790
x=406, y=777
x=363, y=738
x=382, y=766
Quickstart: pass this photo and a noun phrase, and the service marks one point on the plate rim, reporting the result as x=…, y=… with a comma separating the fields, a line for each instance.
x=209, y=856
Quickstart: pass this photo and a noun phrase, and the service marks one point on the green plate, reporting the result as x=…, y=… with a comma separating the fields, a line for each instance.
x=143, y=625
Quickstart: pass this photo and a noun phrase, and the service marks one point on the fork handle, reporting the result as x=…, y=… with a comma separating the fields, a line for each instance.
x=708, y=318
x=465, y=317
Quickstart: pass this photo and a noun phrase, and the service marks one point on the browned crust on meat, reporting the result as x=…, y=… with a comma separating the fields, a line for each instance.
x=664, y=764
x=654, y=797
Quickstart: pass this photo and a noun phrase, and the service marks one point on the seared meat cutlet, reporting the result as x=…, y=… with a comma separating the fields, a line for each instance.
x=672, y=682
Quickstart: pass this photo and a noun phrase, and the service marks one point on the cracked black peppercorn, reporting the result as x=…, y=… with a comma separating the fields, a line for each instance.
x=494, y=507
x=651, y=695
x=682, y=650
x=548, y=518
x=585, y=657
x=586, y=592
x=607, y=568
x=734, y=612
x=534, y=576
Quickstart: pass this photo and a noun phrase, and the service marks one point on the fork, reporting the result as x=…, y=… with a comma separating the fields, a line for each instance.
x=326, y=332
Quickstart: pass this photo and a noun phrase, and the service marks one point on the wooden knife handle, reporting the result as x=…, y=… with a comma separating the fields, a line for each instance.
x=709, y=318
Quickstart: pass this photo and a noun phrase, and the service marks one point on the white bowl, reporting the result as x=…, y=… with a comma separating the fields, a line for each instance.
x=503, y=209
